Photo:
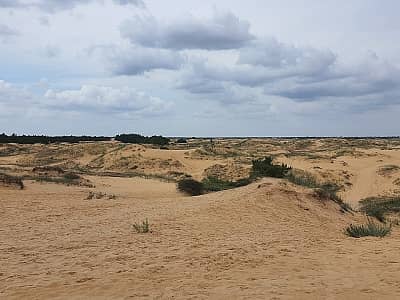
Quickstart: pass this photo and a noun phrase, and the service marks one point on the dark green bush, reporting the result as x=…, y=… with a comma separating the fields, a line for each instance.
x=181, y=141
x=139, y=139
x=266, y=168
x=191, y=187
x=213, y=184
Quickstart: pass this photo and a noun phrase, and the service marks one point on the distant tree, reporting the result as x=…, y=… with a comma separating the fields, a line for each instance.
x=139, y=139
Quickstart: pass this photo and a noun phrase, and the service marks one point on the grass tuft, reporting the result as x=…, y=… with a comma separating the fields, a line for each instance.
x=369, y=229
x=143, y=227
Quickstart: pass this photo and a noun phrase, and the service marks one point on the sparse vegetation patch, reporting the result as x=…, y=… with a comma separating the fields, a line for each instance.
x=303, y=178
x=379, y=207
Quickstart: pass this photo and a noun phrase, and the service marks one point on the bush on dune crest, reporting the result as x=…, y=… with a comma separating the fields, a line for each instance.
x=191, y=187
x=214, y=184
x=265, y=168
x=11, y=180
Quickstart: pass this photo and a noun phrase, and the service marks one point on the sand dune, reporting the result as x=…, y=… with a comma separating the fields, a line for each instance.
x=267, y=240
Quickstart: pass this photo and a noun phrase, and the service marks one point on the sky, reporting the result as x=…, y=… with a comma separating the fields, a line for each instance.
x=200, y=68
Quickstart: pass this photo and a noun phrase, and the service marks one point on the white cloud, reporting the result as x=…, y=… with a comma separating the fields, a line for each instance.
x=101, y=99
x=93, y=99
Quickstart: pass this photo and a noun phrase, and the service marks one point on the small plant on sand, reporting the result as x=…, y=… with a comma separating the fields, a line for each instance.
x=266, y=168
x=191, y=187
x=143, y=227
x=100, y=195
x=369, y=229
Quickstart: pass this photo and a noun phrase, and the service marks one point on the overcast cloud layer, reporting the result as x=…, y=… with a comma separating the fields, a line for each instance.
x=223, y=68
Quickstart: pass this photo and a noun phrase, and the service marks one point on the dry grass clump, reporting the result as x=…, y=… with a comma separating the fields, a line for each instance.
x=303, y=178
x=379, y=207
x=369, y=229
x=388, y=170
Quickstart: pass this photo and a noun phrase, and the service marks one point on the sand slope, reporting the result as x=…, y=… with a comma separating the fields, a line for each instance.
x=268, y=240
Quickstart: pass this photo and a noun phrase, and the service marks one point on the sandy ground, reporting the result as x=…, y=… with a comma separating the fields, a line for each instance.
x=268, y=240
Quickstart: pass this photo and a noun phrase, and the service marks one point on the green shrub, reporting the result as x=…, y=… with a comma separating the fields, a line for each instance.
x=191, y=187
x=213, y=184
x=369, y=229
x=144, y=227
x=378, y=207
x=266, y=168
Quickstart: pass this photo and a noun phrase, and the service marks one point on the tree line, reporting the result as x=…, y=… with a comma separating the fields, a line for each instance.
x=44, y=139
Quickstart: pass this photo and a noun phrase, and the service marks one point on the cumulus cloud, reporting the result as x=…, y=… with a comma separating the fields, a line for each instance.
x=301, y=74
x=94, y=99
x=222, y=31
